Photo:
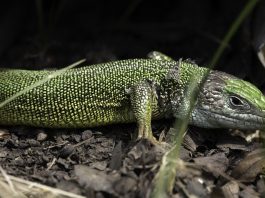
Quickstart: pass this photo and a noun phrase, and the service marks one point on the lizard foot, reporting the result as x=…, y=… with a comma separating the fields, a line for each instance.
x=144, y=133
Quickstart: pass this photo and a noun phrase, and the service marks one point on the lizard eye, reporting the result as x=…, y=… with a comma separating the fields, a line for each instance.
x=235, y=101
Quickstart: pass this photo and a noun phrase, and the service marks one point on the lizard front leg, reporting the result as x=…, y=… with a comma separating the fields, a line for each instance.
x=143, y=98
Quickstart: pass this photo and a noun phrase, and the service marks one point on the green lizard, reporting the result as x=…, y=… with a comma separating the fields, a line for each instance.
x=136, y=90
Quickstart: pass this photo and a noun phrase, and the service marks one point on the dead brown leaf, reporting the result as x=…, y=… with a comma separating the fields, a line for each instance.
x=252, y=165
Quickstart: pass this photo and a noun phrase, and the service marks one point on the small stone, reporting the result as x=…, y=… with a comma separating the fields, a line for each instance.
x=45, y=158
x=19, y=161
x=86, y=134
x=42, y=136
x=76, y=137
x=33, y=143
x=23, y=144
x=3, y=154
x=4, y=134
x=66, y=151
x=62, y=162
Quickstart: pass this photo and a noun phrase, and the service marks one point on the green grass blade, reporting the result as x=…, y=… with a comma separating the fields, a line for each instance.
x=165, y=178
x=232, y=31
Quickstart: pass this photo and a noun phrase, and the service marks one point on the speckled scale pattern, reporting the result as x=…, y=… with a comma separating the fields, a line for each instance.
x=82, y=97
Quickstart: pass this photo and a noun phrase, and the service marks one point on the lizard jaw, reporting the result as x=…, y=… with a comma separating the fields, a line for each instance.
x=205, y=119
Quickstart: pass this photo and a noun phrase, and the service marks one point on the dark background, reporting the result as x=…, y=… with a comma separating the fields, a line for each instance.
x=53, y=34
x=42, y=34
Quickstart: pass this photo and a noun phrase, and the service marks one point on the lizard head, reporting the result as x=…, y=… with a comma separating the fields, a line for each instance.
x=228, y=102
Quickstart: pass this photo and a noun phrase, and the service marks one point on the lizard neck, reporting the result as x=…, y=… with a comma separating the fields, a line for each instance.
x=173, y=96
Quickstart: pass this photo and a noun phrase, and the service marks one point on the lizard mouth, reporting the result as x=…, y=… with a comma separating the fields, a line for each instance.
x=242, y=121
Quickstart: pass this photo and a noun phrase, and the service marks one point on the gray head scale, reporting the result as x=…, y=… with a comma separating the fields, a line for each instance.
x=228, y=102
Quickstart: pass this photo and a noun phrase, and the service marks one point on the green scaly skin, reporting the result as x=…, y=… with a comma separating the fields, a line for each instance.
x=135, y=90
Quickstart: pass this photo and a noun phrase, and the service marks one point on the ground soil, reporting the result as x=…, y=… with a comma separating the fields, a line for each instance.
x=108, y=161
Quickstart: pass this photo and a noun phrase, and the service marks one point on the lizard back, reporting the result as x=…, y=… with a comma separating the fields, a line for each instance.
x=81, y=97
